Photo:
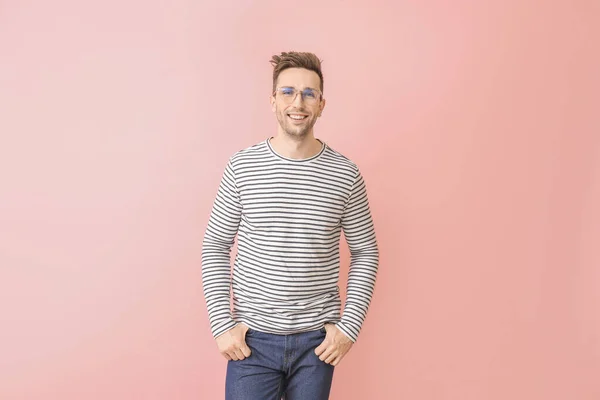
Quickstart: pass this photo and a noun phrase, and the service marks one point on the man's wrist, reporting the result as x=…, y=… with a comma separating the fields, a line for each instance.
x=224, y=327
x=340, y=325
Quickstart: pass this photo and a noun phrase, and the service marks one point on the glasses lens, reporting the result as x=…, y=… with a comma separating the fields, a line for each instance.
x=310, y=96
x=287, y=94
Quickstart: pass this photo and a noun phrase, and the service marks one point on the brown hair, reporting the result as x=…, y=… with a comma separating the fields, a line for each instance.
x=295, y=59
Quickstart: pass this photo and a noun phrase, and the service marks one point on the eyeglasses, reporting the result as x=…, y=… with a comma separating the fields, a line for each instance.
x=309, y=95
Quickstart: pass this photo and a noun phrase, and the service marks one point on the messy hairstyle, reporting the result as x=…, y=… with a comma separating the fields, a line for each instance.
x=294, y=59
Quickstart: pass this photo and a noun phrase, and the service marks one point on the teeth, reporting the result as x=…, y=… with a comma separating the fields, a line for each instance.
x=297, y=116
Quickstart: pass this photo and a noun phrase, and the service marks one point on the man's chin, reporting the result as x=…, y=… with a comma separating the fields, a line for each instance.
x=296, y=133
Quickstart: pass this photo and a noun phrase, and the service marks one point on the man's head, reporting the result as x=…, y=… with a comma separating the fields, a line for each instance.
x=297, y=95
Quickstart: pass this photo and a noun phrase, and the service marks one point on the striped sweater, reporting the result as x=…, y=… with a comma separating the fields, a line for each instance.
x=288, y=215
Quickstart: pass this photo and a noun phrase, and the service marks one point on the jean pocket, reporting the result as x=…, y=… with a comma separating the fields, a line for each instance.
x=323, y=330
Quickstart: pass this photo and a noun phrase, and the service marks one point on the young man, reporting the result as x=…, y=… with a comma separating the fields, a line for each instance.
x=287, y=199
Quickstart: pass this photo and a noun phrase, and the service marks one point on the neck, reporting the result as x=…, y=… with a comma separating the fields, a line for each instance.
x=296, y=148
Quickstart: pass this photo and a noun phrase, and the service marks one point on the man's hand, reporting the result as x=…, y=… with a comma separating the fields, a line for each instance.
x=334, y=347
x=232, y=343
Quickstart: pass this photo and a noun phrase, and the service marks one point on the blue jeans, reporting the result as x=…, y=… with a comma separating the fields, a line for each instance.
x=280, y=366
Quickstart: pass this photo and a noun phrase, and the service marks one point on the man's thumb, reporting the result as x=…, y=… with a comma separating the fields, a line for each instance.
x=246, y=350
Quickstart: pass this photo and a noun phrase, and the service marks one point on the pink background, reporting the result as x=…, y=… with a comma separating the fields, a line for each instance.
x=475, y=125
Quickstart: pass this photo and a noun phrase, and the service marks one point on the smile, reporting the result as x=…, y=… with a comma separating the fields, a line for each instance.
x=297, y=117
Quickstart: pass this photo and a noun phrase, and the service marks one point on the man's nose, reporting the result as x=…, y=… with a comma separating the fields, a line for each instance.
x=298, y=99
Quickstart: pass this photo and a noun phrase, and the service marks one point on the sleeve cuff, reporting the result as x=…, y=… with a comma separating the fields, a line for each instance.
x=347, y=331
x=223, y=327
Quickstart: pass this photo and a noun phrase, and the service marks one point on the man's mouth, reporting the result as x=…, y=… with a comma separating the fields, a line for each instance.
x=297, y=117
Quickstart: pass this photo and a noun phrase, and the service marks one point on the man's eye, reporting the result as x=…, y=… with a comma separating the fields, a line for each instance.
x=287, y=92
x=310, y=94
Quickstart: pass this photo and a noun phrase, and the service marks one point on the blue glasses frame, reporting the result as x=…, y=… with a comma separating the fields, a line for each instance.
x=306, y=93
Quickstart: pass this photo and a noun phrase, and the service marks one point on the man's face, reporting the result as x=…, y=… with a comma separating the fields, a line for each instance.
x=298, y=117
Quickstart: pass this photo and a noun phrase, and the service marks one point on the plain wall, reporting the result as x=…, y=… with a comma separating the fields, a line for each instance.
x=475, y=125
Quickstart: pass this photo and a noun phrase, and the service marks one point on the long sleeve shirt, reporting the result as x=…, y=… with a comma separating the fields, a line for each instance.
x=288, y=216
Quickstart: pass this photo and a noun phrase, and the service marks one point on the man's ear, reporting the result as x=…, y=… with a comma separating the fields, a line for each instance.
x=322, y=107
x=272, y=101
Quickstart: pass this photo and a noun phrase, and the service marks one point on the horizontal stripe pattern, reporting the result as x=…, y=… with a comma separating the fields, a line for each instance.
x=288, y=216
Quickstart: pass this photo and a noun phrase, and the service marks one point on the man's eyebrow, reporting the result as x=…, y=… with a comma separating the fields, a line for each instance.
x=292, y=87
